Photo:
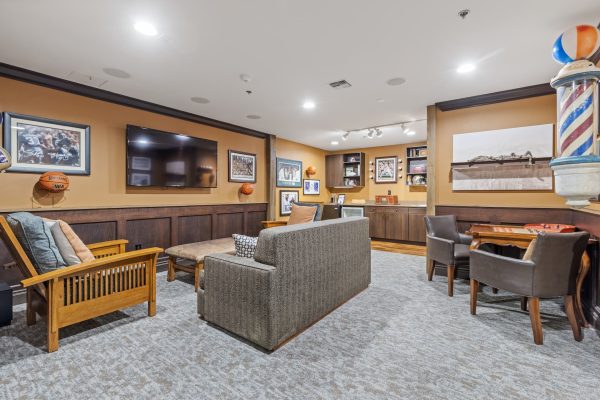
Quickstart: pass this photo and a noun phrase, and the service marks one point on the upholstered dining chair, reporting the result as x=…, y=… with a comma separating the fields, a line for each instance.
x=446, y=245
x=317, y=217
x=550, y=272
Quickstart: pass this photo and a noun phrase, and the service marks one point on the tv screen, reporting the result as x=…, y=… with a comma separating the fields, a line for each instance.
x=156, y=158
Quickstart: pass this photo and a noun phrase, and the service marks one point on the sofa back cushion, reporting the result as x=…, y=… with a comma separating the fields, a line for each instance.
x=84, y=254
x=37, y=241
x=302, y=214
x=64, y=246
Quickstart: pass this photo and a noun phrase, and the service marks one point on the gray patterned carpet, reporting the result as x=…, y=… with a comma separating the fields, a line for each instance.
x=401, y=338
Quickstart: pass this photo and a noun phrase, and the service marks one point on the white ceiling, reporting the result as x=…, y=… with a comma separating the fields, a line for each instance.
x=292, y=50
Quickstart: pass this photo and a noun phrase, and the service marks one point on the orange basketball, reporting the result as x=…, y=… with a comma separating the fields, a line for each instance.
x=247, y=189
x=311, y=170
x=54, y=182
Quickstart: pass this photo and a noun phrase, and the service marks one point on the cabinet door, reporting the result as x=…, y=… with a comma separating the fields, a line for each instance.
x=396, y=226
x=376, y=222
x=334, y=170
x=416, y=225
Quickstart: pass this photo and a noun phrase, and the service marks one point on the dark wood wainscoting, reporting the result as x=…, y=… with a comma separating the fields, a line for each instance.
x=468, y=215
x=151, y=226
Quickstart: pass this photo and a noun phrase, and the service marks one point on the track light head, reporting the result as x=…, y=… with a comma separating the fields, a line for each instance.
x=370, y=134
x=345, y=136
x=378, y=132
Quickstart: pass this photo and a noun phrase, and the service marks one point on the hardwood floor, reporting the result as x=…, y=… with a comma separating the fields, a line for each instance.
x=404, y=248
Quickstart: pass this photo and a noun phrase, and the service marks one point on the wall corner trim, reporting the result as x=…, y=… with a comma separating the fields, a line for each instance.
x=543, y=89
x=52, y=82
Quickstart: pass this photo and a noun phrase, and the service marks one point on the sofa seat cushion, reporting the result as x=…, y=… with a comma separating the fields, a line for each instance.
x=302, y=214
x=461, y=252
x=197, y=251
x=37, y=241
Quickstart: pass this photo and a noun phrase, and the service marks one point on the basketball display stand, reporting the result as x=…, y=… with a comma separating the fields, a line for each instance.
x=577, y=163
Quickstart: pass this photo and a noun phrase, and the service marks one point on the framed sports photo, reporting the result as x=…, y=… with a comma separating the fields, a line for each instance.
x=242, y=167
x=311, y=187
x=289, y=173
x=286, y=199
x=40, y=145
x=386, y=169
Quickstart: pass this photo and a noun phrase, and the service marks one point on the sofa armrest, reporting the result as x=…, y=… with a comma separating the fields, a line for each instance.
x=440, y=250
x=501, y=272
x=238, y=296
x=465, y=239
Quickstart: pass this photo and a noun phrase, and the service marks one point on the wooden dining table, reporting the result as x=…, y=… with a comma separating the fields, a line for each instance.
x=521, y=237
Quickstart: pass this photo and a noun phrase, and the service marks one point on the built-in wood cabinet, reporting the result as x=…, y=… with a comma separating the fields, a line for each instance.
x=345, y=170
x=396, y=223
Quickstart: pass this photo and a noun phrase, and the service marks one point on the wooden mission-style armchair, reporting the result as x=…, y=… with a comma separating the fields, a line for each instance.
x=114, y=280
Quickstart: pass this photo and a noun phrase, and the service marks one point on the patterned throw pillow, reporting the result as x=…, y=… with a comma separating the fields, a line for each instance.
x=245, y=246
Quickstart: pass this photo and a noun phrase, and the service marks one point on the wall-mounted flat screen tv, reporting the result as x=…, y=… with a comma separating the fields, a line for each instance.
x=162, y=159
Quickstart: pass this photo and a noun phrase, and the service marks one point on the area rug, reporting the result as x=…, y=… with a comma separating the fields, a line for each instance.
x=403, y=338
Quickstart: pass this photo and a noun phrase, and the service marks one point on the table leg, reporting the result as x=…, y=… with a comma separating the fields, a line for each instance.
x=199, y=267
x=171, y=269
x=583, y=271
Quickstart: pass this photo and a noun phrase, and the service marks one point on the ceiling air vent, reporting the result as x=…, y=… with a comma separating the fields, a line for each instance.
x=340, y=84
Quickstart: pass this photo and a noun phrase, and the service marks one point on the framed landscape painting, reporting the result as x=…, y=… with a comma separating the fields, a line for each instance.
x=386, y=169
x=286, y=199
x=40, y=145
x=311, y=187
x=289, y=173
x=242, y=167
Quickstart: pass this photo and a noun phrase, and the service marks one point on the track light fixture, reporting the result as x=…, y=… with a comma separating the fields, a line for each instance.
x=376, y=131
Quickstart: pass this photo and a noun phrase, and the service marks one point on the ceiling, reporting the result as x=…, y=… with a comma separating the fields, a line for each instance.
x=292, y=50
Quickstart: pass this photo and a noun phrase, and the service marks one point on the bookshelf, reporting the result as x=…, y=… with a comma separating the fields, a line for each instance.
x=416, y=166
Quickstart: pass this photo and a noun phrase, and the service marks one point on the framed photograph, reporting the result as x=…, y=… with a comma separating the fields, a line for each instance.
x=242, y=167
x=40, y=145
x=289, y=173
x=341, y=198
x=386, y=169
x=286, y=199
x=311, y=187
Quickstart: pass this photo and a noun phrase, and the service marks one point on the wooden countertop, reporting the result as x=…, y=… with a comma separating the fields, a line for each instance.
x=368, y=204
x=42, y=209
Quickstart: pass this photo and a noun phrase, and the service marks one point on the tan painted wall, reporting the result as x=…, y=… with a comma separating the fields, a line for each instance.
x=309, y=156
x=372, y=189
x=106, y=184
x=534, y=111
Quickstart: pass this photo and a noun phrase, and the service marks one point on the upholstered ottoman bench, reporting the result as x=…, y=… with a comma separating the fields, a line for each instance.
x=190, y=257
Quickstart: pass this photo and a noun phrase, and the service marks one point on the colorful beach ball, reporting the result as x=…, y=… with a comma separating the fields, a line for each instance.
x=578, y=43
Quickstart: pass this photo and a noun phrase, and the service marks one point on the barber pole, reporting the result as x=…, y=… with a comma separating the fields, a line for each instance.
x=577, y=165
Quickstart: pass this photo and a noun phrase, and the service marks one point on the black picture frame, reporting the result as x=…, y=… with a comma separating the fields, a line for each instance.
x=283, y=211
x=39, y=149
x=230, y=175
x=394, y=169
x=295, y=166
x=310, y=193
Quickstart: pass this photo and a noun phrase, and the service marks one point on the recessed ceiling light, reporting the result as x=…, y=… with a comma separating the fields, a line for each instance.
x=117, y=73
x=396, y=81
x=411, y=133
x=309, y=105
x=253, y=116
x=334, y=142
x=465, y=68
x=145, y=28
x=200, y=100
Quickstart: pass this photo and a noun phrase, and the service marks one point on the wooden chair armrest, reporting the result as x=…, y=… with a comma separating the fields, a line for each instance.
x=110, y=243
x=99, y=264
x=272, y=224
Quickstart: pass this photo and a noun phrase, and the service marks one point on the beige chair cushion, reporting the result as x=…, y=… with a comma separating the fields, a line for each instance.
x=530, y=249
x=301, y=214
x=197, y=251
x=84, y=254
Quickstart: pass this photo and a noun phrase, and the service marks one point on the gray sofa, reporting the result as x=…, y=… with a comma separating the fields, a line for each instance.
x=299, y=274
